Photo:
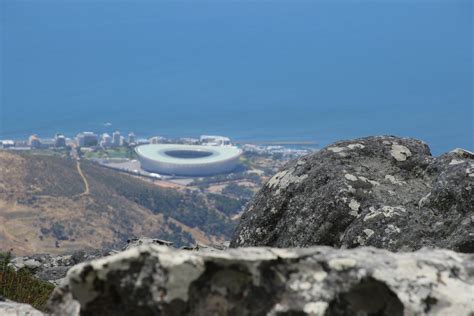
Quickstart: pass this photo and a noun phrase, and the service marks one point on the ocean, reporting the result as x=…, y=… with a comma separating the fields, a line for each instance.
x=272, y=70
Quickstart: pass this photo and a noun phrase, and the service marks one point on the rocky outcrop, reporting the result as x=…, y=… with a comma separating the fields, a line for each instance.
x=386, y=192
x=53, y=268
x=157, y=280
x=135, y=242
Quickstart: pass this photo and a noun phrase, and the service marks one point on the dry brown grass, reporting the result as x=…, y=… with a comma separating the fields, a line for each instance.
x=44, y=194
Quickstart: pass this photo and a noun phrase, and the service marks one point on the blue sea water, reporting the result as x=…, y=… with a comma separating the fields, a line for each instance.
x=252, y=70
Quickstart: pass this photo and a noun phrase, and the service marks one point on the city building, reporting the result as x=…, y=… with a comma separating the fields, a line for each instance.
x=187, y=160
x=87, y=139
x=122, y=141
x=212, y=140
x=106, y=140
x=142, y=141
x=116, y=139
x=47, y=143
x=59, y=141
x=22, y=144
x=157, y=140
x=131, y=138
x=34, y=141
x=190, y=141
x=7, y=143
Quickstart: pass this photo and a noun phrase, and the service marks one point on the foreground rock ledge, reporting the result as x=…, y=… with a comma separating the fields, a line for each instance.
x=157, y=280
x=10, y=308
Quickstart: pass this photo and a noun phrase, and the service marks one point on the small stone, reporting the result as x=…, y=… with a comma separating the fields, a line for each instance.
x=456, y=162
x=316, y=308
x=392, y=179
x=354, y=146
x=350, y=177
x=369, y=232
x=319, y=276
x=340, y=264
x=336, y=149
x=32, y=264
x=354, y=205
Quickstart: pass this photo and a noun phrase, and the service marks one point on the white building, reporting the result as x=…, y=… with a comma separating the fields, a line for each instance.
x=116, y=138
x=34, y=141
x=87, y=139
x=131, y=138
x=142, y=141
x=190, y=141
x=48, y=142
x=157, y=140
x=106, y=140
x=7, y=143
x=122, y=141
x=59, y=141
x=213, y=140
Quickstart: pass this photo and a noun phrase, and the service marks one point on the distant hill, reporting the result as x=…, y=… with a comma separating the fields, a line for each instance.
x=48, y=204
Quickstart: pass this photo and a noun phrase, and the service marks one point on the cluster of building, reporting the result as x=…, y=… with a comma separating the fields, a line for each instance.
x=210, y=140
x=90, y=139
x=207, y=140
x=83, y=139
x=93, y=140
x=285, y=152
x=59, y=141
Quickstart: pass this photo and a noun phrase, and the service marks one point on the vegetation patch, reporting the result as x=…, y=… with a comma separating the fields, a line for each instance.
x=189, y=208
x=226, y=205
x=22, y=286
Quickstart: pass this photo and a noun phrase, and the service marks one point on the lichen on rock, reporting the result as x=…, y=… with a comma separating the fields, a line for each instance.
x=274, y=281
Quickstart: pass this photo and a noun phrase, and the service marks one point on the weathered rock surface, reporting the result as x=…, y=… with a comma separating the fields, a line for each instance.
x=53, y=268
x=9, y=308
x=386, y=192
x=157, y=280
x=135, y=242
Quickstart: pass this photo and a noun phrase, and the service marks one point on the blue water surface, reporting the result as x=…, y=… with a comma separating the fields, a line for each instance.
x=266, y=70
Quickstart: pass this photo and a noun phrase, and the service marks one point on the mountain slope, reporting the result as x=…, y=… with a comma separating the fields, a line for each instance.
x=53, y=204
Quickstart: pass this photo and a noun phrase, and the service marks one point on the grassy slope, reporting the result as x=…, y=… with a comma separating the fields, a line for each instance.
x=43, y=210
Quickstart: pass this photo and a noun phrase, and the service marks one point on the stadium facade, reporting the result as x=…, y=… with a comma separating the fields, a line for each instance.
x=187, y=160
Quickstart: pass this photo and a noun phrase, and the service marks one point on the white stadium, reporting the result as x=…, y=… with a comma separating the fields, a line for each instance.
x=187, y=160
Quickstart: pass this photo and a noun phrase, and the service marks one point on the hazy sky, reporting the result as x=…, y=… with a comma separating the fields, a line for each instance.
x=330, y=69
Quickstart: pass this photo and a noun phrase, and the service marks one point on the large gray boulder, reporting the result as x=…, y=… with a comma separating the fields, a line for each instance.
x=386, y=192
x=158, y=280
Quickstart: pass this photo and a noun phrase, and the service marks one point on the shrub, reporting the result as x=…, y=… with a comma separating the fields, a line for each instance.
x=226, y=205
x=21, y=286
x=59, y=232
x=238, y=191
